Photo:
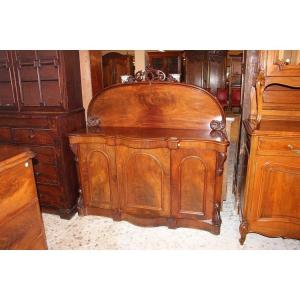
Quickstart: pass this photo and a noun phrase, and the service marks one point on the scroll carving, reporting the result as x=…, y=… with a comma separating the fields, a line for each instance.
x=217, y=125
x=221, y=158
x=218, y=134
x=93, y=121
x=150, y=74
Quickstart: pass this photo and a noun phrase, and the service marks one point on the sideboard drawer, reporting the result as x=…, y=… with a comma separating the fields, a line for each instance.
x=33, y=136
x=283, y=146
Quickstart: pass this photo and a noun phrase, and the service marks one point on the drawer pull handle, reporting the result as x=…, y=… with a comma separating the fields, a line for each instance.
x=37, y=174
x=31, y=136
x=291, y=147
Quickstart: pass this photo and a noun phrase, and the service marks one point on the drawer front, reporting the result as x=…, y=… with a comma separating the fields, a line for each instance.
x=5, y=135
x=45, y=155
x=33, y=136
x=25, y=122
x=22, y=231
x=50, y=196
x=46, y=174
x=282, y=146
x=17, y=189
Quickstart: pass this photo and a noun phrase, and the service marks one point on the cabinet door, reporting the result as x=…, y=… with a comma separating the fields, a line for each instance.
x=39, y=79
x=217, y=70
x=144, y=181
x=196, y=68
x=114, y=65
x=274, y=196
x=8, y=98
x=98, y=176
x=193, y=183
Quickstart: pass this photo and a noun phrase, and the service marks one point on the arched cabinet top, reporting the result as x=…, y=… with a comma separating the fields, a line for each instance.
x=156, y=105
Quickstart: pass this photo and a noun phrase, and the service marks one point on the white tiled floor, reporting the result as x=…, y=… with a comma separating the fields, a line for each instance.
x=93, y=232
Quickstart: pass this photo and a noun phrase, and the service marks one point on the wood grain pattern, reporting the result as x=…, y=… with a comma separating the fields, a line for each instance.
x=21, y=225
x=156, y=105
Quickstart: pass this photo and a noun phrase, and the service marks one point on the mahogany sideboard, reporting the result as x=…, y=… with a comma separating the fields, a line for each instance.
x=153, y=154
x=270, y=197
x=40, y=103
x=21, y=224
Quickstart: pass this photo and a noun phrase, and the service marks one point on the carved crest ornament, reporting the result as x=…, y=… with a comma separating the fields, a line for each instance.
x=150, y=74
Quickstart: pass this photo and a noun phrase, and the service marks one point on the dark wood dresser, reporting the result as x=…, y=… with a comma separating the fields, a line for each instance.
x=270, y=202
x=21, y=225
x=153, y=155
x=40, y=103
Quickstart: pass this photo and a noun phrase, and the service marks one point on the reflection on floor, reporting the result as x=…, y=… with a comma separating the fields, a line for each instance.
x=93, y=232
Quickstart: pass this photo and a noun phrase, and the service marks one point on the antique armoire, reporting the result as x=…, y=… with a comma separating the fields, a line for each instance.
x=270, y=197
x=206, y=69
x=153, y=154
x=40, y=103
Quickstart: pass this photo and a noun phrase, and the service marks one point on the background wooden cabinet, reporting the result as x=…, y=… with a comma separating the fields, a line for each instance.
x=114, y=65
x=40, y=102
x=206, y=69
x=8, y=93
x=170, y=62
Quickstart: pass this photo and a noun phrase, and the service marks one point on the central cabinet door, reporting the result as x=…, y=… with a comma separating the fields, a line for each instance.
x=193, y=178
x=144, y=181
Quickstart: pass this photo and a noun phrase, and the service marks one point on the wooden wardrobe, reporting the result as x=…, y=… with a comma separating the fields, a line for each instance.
x=40, y=103
x=154, y=155
x=270, y=199
x=206, y=69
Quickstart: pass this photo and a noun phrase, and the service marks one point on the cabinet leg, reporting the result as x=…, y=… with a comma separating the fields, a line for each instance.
x=243, y=232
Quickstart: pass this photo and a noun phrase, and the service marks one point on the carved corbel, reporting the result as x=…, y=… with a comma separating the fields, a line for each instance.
x=221, y=158
x=217, y=125
x=217, y=221
x=93, y=121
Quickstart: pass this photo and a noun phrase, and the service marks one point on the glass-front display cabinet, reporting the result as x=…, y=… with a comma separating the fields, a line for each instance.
x=281, y=62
